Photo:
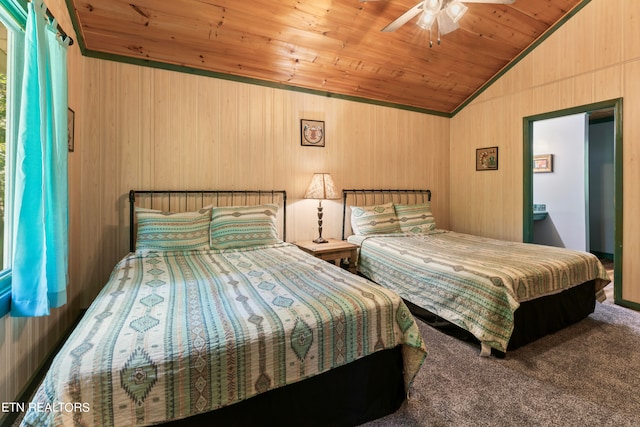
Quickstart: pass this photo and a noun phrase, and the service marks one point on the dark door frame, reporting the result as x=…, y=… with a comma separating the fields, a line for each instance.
x=527, y=208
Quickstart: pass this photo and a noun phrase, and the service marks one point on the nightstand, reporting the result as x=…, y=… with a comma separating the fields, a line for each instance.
x=340, y=252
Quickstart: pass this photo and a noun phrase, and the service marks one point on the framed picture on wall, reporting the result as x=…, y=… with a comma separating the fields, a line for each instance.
x=487, y=159
x=312, y=133
x=71, y=118
x=543, y=163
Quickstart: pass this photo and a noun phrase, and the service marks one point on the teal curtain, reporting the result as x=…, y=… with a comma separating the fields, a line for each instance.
x=40, y=202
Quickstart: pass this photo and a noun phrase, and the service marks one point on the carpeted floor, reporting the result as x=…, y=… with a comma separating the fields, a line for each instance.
x=584, y=375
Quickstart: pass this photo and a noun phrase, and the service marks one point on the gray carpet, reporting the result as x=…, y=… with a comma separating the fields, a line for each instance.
x=584, y=375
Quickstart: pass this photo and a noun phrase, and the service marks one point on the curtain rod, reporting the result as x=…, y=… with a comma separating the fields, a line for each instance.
x=59, y=28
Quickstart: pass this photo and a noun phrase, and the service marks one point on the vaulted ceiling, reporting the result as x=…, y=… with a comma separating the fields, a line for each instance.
x=322, y=46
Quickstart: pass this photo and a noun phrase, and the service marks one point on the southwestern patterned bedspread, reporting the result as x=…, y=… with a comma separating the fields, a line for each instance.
x=474, y=282
x=173, y=334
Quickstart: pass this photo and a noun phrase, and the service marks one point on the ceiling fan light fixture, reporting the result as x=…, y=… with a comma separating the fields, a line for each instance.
x=432, y=6
x=426, y=20
x=456, y=10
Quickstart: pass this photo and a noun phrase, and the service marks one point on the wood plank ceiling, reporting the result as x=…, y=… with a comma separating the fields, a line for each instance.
x=324, y=46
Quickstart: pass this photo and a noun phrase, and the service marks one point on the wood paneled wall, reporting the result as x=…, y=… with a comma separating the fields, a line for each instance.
x=594, y=57
x=149, y=128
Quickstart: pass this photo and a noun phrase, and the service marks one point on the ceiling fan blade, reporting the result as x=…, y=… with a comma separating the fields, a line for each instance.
x=404, y=18
x=489, y=1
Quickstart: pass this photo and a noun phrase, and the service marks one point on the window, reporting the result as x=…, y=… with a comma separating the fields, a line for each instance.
x=12, y=18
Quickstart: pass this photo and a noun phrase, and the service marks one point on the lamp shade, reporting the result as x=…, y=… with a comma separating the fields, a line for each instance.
x=432, y=6
x=426, y=20
x=321, y=187
x=455, y=10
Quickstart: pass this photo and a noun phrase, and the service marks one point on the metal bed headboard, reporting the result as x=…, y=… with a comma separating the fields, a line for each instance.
x=189, y=200
x=367, y=197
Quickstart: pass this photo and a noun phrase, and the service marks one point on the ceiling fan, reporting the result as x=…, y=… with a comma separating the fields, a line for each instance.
x=446, y=14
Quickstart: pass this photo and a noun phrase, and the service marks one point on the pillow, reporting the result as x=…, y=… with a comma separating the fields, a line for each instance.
x=354, y=226
x=379, y=219
x=243, y=226
x=170, y=231
x=415, y=218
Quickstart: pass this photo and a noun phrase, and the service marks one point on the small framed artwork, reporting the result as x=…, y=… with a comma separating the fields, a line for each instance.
x=71, y=118
x=312, y=133
x=487, y=159
x=543, y=163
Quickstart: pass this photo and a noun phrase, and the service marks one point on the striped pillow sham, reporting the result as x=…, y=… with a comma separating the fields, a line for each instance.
x=415, y=218
x=379, y=219
x=172, y=231
x=243, y=226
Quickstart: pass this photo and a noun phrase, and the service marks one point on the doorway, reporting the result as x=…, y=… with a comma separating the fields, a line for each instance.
x=604, y=111
x=560, y=181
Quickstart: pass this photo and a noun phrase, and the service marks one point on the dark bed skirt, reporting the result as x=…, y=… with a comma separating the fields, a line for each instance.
x=532, y=320
x=366, y=389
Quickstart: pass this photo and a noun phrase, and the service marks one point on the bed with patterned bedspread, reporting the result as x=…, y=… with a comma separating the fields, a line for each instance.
x=474, y=282
x=502, y=294
x=213, y=318
x=173, y=334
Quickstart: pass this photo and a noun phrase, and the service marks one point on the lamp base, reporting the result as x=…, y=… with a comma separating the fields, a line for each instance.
x=320, y=240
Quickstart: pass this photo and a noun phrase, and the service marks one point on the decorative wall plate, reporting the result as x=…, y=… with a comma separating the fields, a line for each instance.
x=312, y=133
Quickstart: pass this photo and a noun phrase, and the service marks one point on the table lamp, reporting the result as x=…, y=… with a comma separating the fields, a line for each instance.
x=321, y=187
